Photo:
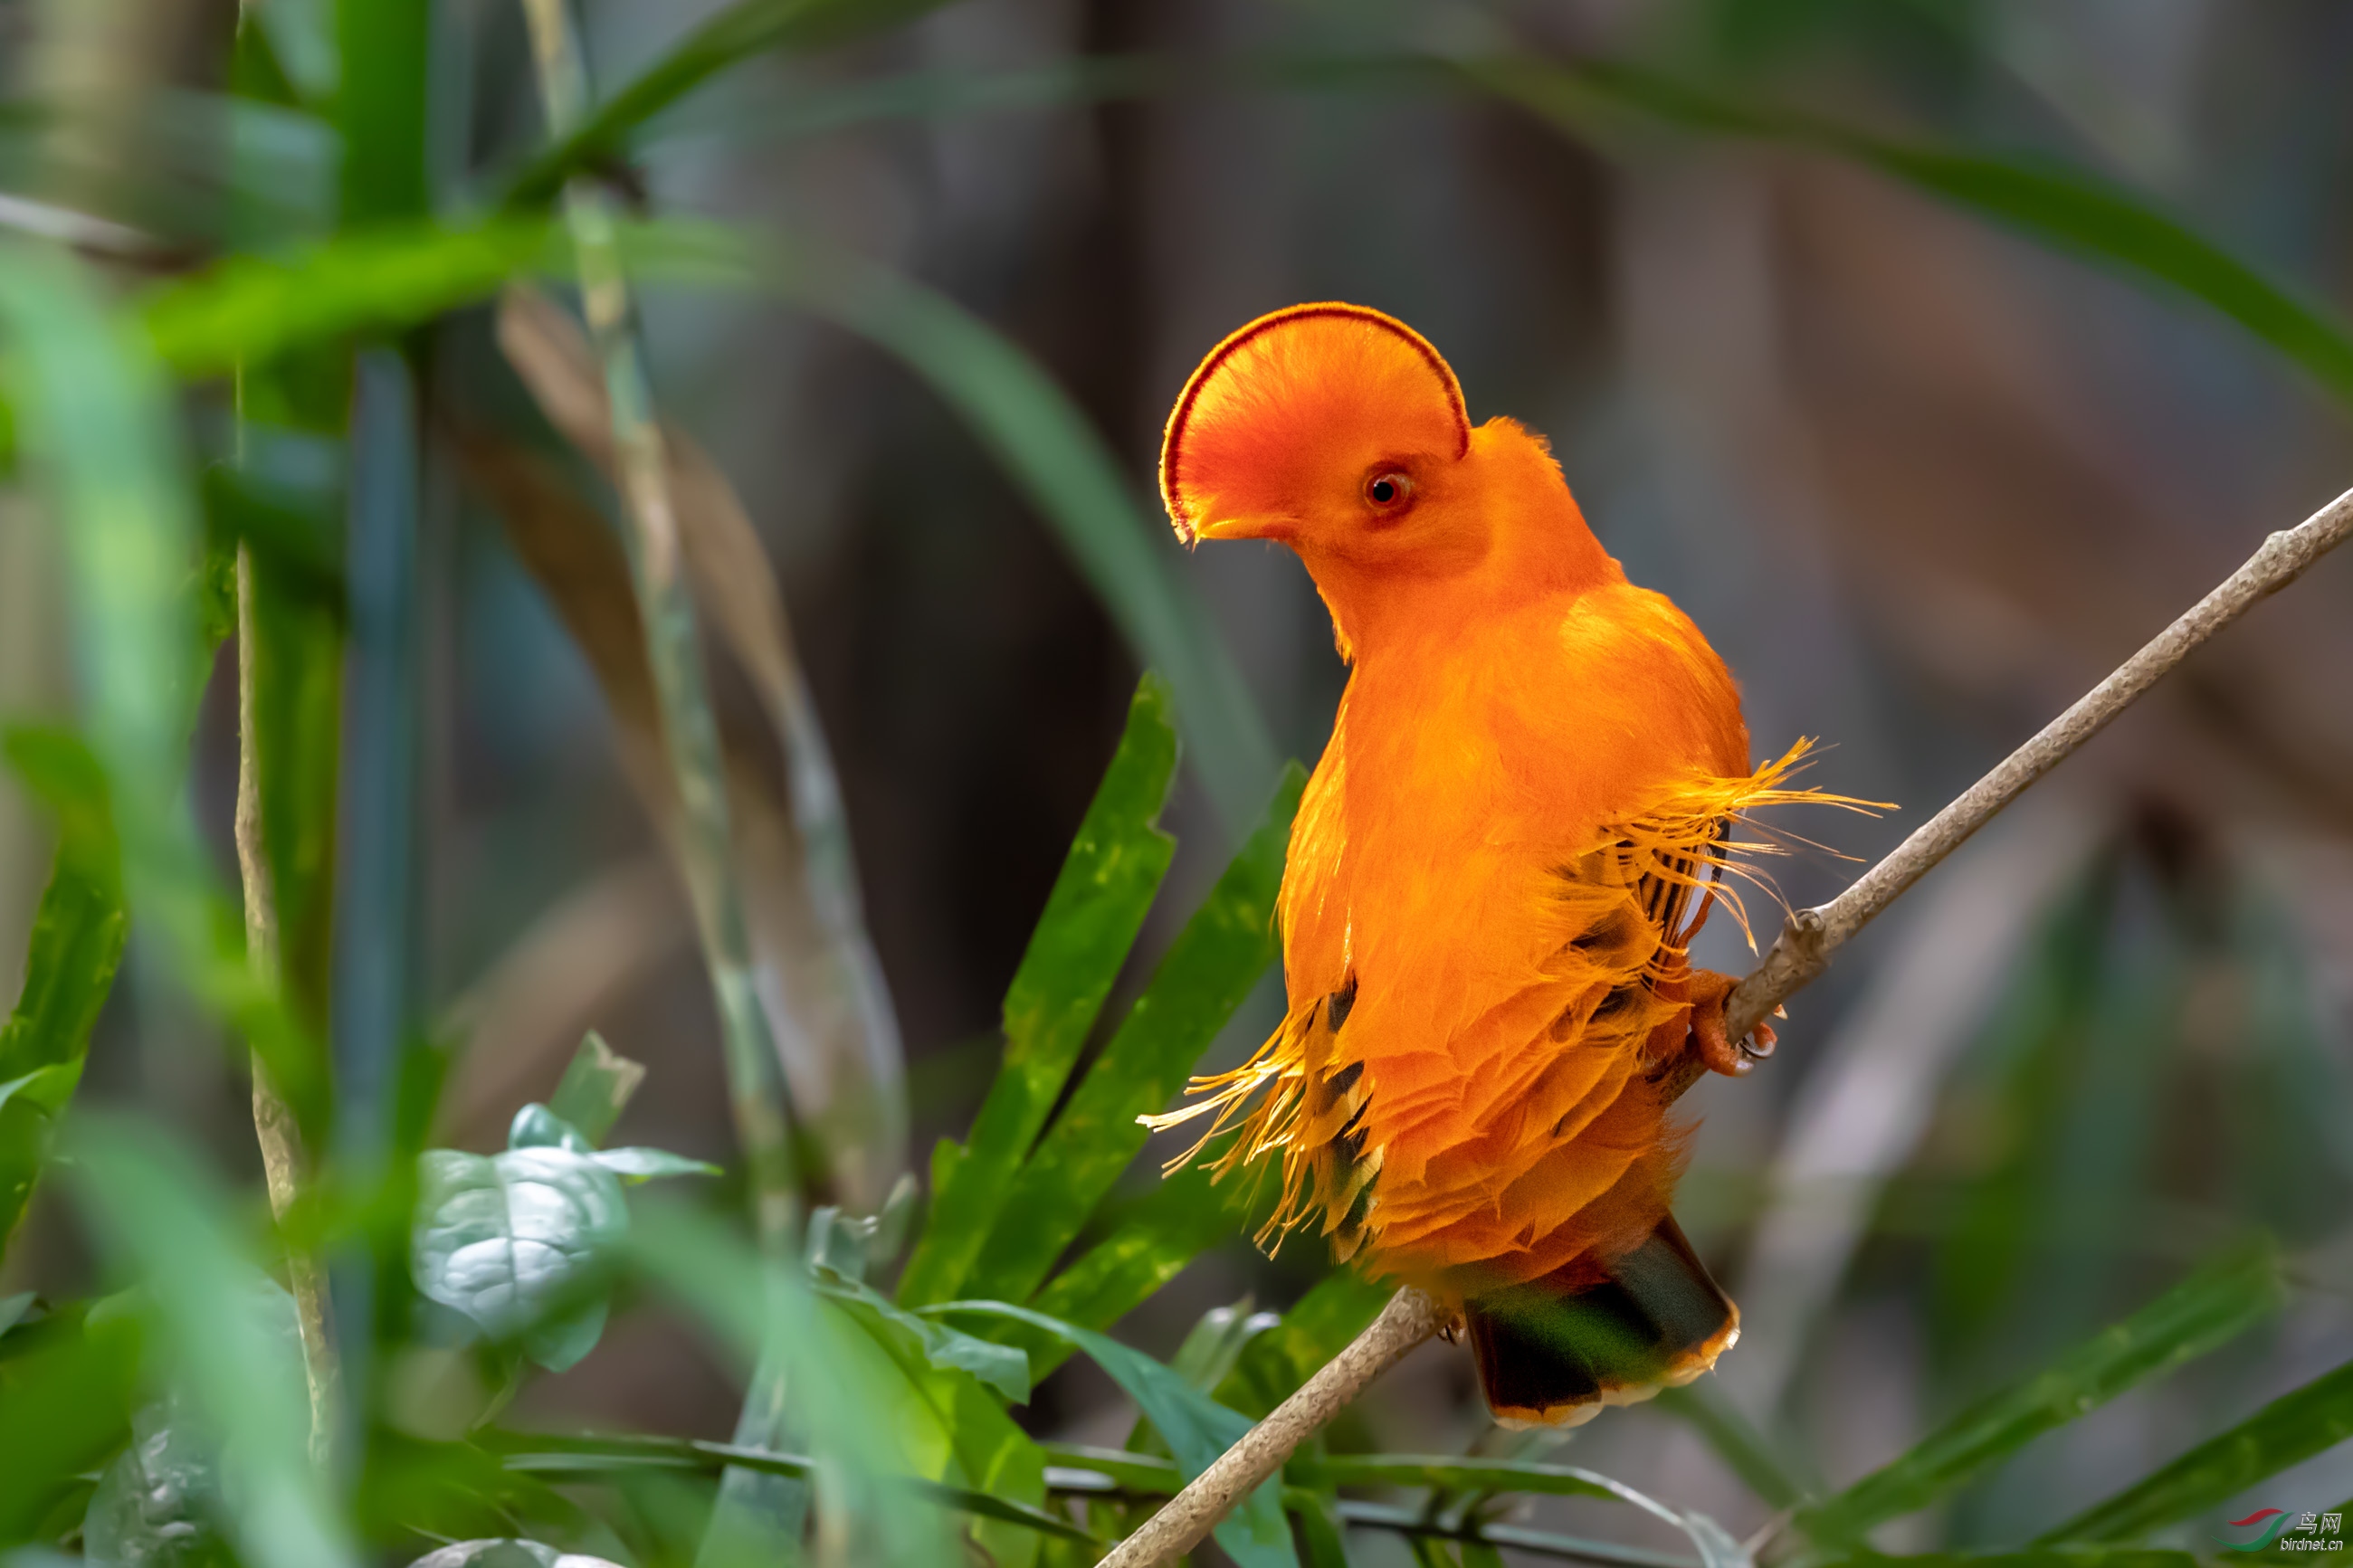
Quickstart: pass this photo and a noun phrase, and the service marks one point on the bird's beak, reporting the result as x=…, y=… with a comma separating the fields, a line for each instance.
x=1273, y=525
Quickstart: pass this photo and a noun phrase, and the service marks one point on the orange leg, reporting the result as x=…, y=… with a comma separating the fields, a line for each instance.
x=1708, y=1036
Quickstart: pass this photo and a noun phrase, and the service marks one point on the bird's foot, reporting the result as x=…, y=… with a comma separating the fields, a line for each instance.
x=1709, y=1037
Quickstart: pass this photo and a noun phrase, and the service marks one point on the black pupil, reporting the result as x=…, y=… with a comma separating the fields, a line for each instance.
x=1383, y=490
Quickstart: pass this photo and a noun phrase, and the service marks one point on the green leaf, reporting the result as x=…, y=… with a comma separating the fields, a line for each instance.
x=634, y=1165
x=160, y=1503
x=747, y=28
x=1196, y=1429
x=153, y=1505
x=67, y=1385
x=1001, y=1367
x=521, y=1243
x=2288, y=1431
x=1762, y=1464
x=761, y=1307
x=1091, y=920
x=97, y=421
x=559, y=1455
x=956, y=1432
x=506, y=1553
x=2032, y=1557
x=1049, y=449
x=1323, y=1542
x=2065, y=207
x=1450, y=1473
x=597, y=1085
x=2210, y=1307
x=1208, y=973
x=248, y=309
x=1318, y=1327
x=1217, y=1342
x=156, y=1210
x=1151, y=1244
x=381, y=108
x=69, y=964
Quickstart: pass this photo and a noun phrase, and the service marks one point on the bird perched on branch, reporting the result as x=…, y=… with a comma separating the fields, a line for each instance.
x=1495, y=876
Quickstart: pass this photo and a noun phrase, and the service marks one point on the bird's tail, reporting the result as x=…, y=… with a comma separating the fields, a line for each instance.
x=1553, y=1352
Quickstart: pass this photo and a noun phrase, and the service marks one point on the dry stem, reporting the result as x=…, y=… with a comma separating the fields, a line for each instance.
x=1800, y=953
x=273, y=1120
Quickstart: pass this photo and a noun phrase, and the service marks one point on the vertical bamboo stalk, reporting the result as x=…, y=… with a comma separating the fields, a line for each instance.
x=690, y=733
x=755, y=1513
x=273, y=1120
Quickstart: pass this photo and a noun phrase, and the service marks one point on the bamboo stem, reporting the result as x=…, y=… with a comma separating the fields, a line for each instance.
x=756, y=1076
x=755, y=1514
x=1799, y=953
x=274, y=1127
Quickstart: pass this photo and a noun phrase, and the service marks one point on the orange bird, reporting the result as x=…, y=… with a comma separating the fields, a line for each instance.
x=1496, y=873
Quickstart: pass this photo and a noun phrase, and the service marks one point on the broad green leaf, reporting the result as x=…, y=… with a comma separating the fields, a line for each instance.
x=2213, y=1306
x=1208, y=971
x=1318, y=1327
x=246, y=310
x=1196, y=1429
x=154, y=1505
x=67, y=1385
x=2065, y=207
x=1092, y=919
x=1001, y=1367
x=159, y=1212
x=744, y=29
x=1151, y=1244
x=2288, y=1431
x=521, y=1243
x=506, y=1553
x=537, y=1127
x=69, y=964
x=597, y=1085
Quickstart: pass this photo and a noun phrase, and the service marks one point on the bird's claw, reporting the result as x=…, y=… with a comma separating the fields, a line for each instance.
x=1717, y=1049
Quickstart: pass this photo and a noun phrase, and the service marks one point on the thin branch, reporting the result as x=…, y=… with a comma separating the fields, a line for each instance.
x=1801, y=951
x=274, y=1126
x=1808, y=937
x=1409, y=1318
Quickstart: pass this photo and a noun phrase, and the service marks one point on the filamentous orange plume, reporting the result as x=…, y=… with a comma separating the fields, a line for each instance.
x=1528, y=800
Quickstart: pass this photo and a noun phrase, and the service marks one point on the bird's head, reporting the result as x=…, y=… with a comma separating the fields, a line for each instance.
x=1340, y=432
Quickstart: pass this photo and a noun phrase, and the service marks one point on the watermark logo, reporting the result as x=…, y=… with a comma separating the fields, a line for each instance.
x=2289, y=1531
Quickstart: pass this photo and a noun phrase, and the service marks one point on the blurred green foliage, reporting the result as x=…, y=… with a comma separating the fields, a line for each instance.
x=166, y=1423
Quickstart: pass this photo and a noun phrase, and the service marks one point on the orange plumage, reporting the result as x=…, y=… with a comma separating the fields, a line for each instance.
x=1497, y=867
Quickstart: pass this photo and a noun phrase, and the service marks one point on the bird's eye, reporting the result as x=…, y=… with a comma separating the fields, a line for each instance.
x=1387, y=489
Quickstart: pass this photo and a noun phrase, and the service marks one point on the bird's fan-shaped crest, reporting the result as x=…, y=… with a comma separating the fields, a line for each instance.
x=1301, y=397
